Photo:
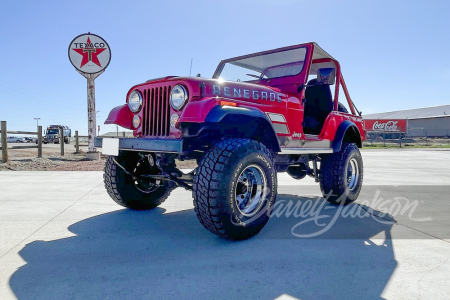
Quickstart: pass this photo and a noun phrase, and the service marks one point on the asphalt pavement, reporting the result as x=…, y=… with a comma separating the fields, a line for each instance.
x=61, y=237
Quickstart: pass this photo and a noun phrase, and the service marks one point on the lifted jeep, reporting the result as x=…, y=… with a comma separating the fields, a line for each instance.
x=263, y=113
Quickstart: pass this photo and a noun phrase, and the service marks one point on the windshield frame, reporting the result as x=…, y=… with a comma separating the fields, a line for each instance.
x=222, y=64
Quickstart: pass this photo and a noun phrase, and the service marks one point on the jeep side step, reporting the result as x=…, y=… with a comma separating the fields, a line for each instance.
x=305, y=150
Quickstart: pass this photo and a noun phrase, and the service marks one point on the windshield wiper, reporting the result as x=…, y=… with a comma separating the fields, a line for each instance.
x=252, y=75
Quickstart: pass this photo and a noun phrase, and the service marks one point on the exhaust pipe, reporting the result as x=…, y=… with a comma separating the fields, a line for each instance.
x=297, y=171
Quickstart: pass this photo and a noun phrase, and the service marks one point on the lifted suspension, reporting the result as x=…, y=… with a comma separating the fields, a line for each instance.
x=172, y=175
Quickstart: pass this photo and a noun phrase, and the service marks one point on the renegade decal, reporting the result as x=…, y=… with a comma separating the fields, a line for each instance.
x=276, y=117
x=245, y=93
x=280, y=128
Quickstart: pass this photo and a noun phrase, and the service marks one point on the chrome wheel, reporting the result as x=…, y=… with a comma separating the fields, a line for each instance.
x=250, y=190
x=352, y=174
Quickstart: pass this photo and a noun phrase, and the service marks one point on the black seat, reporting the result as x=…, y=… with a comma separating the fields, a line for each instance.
x=319, y=103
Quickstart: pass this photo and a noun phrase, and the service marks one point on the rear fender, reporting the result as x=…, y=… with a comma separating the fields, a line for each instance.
x=347, y=132
x=120, y=115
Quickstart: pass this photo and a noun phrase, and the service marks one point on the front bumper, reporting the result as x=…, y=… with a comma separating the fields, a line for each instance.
x=146, y=145
x=51, y=140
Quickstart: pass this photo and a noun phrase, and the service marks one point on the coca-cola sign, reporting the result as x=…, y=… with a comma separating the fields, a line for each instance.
x=385, y=125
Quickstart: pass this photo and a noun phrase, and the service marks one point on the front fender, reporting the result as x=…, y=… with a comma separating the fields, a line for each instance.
x=245, y=122
x=219, y=113
x=120, y=115
x=196, y=111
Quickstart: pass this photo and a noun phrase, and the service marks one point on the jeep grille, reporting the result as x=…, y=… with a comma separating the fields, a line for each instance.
x=156, y=111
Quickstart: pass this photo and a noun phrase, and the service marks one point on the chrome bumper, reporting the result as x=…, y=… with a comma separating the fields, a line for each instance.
x=146, y=145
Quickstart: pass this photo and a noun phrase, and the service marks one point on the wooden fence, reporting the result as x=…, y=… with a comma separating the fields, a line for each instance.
x=4, y=140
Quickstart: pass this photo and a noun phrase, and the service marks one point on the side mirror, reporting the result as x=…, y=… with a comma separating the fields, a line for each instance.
x=326, y=76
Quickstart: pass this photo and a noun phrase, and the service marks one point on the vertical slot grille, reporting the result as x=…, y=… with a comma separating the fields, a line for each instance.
x=156, y=111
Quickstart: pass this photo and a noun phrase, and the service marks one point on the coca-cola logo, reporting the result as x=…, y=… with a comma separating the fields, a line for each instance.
x=385, y=126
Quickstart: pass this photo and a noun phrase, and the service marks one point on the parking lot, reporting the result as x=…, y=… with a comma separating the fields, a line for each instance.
x=61, y=236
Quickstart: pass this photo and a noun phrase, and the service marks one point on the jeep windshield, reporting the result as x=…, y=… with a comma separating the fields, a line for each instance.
x=263, y=66
x=52, y=131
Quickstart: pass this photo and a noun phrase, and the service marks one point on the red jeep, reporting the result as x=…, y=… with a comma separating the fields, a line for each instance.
x=263, y=113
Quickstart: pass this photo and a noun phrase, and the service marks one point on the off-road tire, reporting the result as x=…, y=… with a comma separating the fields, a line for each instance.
x=215, y=187
x=123, y=191
x=334, y=174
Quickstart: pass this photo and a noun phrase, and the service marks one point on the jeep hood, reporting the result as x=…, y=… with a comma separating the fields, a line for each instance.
x=207, y=87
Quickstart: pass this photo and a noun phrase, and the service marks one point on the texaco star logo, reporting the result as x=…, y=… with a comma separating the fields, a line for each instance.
x=89, y=53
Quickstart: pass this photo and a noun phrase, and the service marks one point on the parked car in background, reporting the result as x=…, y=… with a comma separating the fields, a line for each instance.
x=28, y=139
x=14, y=139
x=52, y=134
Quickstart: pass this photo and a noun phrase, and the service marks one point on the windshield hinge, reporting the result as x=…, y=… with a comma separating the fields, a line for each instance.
x=202, y=88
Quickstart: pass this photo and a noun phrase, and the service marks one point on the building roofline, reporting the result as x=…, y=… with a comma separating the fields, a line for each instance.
x=430, y=117
x=392, y=111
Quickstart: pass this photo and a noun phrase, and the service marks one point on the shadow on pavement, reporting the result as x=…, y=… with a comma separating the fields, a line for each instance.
x=150, y=255
x=67, y=159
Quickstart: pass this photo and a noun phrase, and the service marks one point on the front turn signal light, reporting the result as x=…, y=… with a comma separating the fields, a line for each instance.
x=227, y=103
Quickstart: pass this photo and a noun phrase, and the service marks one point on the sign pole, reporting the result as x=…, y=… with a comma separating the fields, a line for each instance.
x=92, y=119
x=90, y=55
x=92, y=122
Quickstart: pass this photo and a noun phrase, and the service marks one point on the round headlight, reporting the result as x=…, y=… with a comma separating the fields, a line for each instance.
x=178, y=97
x=135, y=101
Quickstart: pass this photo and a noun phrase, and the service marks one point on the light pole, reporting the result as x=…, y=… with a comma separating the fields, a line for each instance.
x=37, y=121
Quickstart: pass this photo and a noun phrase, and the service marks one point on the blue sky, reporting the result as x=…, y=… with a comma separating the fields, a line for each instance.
x=394, y=54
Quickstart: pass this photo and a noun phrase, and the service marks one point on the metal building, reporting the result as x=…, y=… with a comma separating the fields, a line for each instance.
x=427, y=121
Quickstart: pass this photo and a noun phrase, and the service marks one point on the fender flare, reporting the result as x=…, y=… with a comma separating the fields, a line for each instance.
x=224, y=115
x=120, y=115
x=351, y=128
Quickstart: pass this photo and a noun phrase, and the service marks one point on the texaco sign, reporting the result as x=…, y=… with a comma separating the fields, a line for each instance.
x=89, y=53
